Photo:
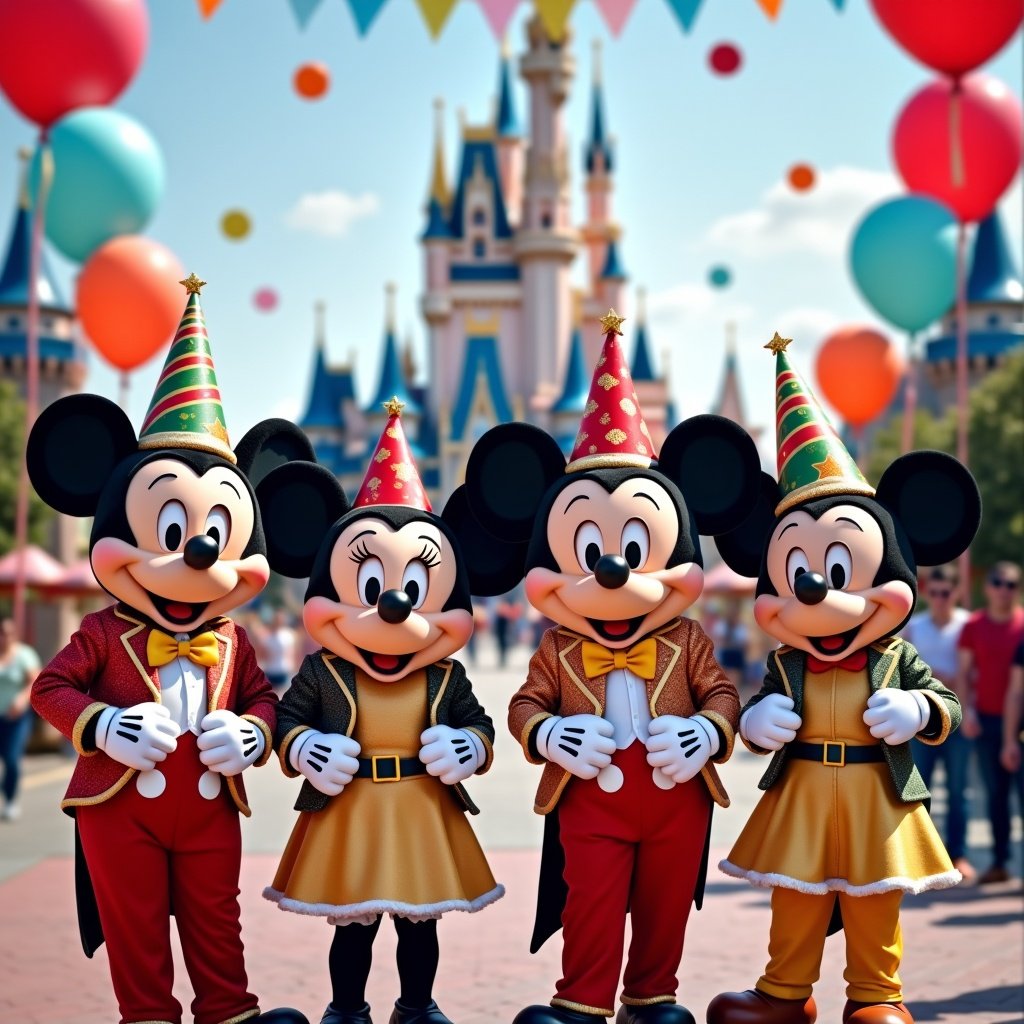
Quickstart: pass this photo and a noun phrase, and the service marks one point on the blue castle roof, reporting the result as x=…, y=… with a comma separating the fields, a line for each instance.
x=481, y=359
x=507, y=122
x=437, y=221
x=478, y=148
x=330, y=388
x=642, y=367
x=598, y=141
x=14, y=280
x=577, y=380
x=392, y=382
x=613, y=269
x=993, y=276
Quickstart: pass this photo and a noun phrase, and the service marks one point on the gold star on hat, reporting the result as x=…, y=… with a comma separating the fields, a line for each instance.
x=192, y=284
x=611, y=322
x=394, y=406
x=778, y=344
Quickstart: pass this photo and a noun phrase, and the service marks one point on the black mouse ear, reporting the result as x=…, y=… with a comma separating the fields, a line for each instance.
x=742, y=549
x=269, y=444
x=299, y=502
x=936, y=501
x=73, y=448
x=494, y=566
x=714, y=462
x=508, y=471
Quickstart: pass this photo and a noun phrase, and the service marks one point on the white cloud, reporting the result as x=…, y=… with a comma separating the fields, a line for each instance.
x=286, y=409
x=807, y=325
x=818, y=222
x=330, y=213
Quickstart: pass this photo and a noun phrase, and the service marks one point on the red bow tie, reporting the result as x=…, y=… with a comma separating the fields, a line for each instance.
x=853, y=662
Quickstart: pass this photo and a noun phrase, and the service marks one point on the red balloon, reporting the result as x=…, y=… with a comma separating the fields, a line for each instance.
x=969, y=167
x=859, y=371
x=129, y=299
x=954, y=36
x=58, y=55
x=725, y=59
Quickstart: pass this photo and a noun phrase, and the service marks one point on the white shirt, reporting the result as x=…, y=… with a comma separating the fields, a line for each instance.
x=625, y=706
x=937, y=644
x=183, y=690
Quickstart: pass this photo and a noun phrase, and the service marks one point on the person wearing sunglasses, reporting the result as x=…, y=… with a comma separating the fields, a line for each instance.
x=987, y=645
x=935, y=633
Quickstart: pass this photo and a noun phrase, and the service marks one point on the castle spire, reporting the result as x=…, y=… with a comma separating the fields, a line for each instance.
x=506, y=122
x=576, y=386
x=598, y=143
x=993, y=276
x=392, y=382
x=730, y=396
x=643, y=364
x=439, y=199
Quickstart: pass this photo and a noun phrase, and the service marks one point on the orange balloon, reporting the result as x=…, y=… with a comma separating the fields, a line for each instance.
x=801, y=177
x=859, y=372
x=312, y=81
x=129, y=300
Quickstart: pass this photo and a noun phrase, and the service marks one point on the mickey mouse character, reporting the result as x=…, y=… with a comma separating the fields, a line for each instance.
x=624, y=704
x=842, y=826
x=161, y=694
x=384, y=727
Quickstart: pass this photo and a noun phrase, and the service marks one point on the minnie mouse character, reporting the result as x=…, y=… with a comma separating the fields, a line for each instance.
x=624, y=704
x=160, y=693
x=842, y=828
x=384, y=727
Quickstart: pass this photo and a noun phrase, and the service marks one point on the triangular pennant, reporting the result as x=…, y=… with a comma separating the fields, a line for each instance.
x=838, y=4
x=770, y=7
x=304, y=10
x=365, y=12
x=685, y=11
x=615, y=13
x=498, y=14
x=554, y=16
x=208, y=7
x=435, y=14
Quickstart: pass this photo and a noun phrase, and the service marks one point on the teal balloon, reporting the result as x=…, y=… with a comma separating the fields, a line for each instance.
x=108, y=177
x=719, y=276
x=903, y=259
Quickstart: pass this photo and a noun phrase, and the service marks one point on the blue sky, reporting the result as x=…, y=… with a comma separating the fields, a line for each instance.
x=701, y=166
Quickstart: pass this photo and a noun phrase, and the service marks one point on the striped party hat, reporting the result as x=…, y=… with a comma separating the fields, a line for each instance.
x=186, y=410
x=392, y=478
x=813, y=461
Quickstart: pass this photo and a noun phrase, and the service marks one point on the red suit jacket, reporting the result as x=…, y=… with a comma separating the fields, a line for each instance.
x=105, y=665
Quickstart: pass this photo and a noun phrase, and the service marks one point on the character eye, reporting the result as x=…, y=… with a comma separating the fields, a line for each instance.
x=838, y=566
x=589, y=545
x=370, y=580
x=636, y=543
x=415, y=583
x=218, y=525
x=796, y=565
x=171, y=524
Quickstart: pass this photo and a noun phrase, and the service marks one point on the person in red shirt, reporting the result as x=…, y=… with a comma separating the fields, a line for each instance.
x=987, y=645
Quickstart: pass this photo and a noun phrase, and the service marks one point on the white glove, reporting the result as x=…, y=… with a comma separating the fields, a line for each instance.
x=451, y=755
x=581, y=744
x=327, y=759
x=680, y=747
x=896, y=715
x=771, y=723
x=139, y=737
x=229, y=744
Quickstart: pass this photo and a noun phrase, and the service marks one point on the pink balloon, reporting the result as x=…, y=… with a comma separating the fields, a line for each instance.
x=265, y=300
x=960, y=144
x=58, y=55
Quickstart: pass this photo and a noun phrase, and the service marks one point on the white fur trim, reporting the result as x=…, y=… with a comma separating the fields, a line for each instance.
x=770, y=880
x=368, y=910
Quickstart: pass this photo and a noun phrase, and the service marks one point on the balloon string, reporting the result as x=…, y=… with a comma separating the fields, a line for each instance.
x=31, y=373
x=125, y=387
x=962, y=393
x=956, y=147
x=909, y=397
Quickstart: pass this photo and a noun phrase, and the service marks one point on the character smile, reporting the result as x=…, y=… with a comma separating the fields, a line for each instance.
x=178, y=612
x=836, y=643
x=386, y=664
x=616, y=629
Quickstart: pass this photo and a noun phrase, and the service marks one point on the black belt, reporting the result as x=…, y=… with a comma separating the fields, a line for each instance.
x=837, y=754
x=389, y=768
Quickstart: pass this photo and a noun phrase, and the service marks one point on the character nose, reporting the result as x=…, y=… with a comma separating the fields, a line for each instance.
x=394, y=606
x=611, y=571
x=201, y=551
x=810, y=588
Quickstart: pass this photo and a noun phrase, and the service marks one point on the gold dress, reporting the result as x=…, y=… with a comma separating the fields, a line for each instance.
x=404, y=848
x=822, y=829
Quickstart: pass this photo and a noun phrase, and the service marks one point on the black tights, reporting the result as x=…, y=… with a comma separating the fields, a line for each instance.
x=352, y=952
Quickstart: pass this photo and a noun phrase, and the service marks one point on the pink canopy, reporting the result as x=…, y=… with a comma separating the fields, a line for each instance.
x=79, y=579
x=42, y=570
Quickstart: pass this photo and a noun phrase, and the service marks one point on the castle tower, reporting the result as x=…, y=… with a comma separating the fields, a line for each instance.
x=651, y=389
x=730, y=398
x=392, y=381
x=509, y=141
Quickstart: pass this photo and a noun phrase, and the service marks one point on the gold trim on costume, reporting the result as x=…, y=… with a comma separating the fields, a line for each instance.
x=344, y=689
x=81, y=722
x=822, y=489
x=99, y=798
x=268, y=746
x=725, y=725
x=629, y=1001
x=194, y=442
x=284, y=747
x=944, y=732
x=236, y=796
x=563, y=657
x=718, y=794
x=225, y=665
x=581, y=1007
x=488, y=750
x=524, y=736
x=610, y=461
x=440, y=690
x=891, y=652
x=125, y=642
x=676, y=651
x=555, y=796
x=248, y=1015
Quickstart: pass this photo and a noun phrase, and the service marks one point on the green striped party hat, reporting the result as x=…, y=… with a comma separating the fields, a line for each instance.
x=813, y=461
x=186, y=410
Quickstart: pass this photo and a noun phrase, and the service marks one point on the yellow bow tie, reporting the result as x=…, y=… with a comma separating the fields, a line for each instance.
x=162, y=649
x=640, y=659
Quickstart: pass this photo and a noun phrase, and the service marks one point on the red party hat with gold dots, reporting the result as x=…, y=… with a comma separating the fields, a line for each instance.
x=392, y=478
x=612, y=431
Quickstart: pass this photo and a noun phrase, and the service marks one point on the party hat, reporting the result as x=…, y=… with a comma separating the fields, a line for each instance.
x=392, y=478
x=612, y=431
x=186, y=410
x=813, y=461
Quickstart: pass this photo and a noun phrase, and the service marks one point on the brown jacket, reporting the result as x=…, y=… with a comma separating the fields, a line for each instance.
x=687, y=680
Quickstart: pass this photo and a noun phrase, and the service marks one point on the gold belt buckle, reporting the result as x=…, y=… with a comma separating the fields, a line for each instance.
x=397, y=777
x=834, y=762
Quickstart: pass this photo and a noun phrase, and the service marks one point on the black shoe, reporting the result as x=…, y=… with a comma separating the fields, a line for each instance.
x=429, y=1014
x=556, y=1015
x=656, y=1013
x=332, y=1015
x=284, y=1015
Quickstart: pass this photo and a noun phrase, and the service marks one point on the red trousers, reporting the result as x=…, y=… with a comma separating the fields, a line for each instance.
x=636, y=850
x=177, y=850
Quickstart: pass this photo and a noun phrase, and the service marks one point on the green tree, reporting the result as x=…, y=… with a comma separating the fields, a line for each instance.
x=12, y=451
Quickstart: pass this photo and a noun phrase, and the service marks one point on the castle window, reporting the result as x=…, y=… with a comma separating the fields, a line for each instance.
x=12, y=322
x=479, y=216
x=545, y=219
x=479, y=248
x=993, y=319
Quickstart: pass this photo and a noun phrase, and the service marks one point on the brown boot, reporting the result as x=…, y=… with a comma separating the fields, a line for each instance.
x=876, y=1013
x=756, y=1007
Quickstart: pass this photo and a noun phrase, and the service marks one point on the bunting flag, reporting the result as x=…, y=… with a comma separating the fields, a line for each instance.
x=615, y=13
x=685, y=11
x=554, y=16
x=771, y=7
x=208, y=7
x=435, y=14
x=838, y=4
x=365, y=12
x=498, y=14
x=304, y=10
